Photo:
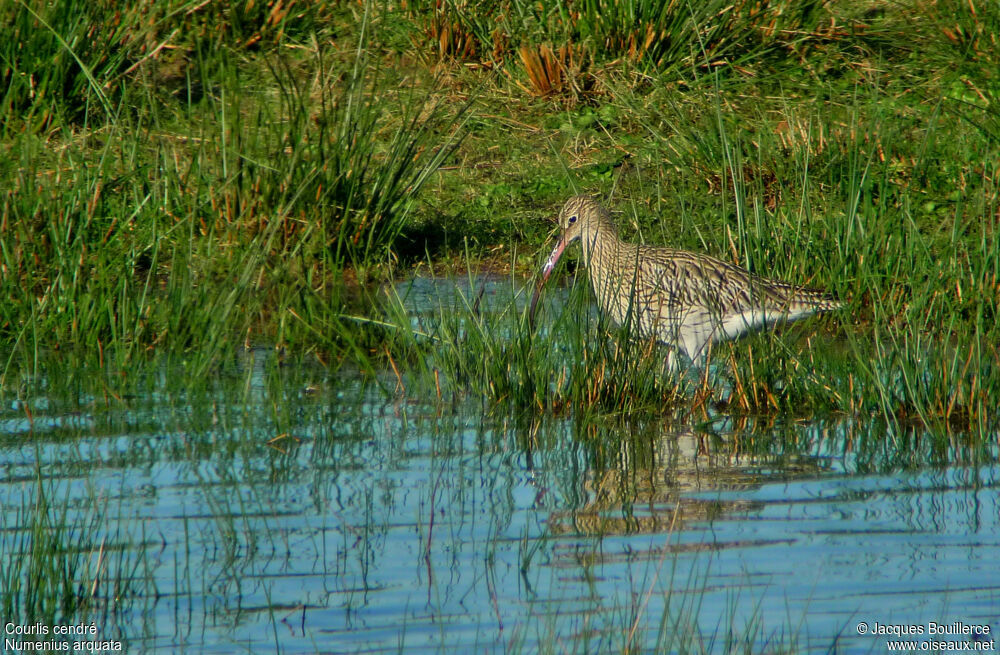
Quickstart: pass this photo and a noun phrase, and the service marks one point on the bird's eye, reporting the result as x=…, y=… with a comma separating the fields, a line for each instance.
x=572, y=219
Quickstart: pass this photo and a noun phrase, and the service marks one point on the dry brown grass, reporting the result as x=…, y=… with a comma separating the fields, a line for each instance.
x=549, y=71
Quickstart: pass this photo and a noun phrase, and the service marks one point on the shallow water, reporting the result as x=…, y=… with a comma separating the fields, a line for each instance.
x=305, y=511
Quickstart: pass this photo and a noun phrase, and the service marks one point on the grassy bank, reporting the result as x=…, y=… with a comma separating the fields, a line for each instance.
x=185, y=179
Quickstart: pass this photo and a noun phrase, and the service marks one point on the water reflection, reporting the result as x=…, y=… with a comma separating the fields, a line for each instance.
x=303, y=510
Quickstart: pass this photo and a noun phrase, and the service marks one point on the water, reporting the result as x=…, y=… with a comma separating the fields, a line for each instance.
x=305, y=511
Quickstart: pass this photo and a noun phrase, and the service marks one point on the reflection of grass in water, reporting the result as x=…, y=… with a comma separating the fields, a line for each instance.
x=62, y=566
x=665, y=610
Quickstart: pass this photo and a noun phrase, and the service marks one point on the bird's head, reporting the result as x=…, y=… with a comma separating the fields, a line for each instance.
x=574, y=218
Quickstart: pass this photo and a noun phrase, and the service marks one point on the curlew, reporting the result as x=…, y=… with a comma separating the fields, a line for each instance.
x=682, y=299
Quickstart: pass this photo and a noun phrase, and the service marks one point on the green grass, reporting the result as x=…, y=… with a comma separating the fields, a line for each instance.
x=62, y=565
x=189, y=220
x=187, y=179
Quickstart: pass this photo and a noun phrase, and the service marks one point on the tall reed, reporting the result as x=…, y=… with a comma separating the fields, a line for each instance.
x=61, y=566
x=188, y=222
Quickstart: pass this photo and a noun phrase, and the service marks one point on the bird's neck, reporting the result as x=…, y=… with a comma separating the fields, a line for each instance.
x=600, y=237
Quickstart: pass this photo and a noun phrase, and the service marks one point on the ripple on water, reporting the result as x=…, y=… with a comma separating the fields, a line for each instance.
x=374, y=524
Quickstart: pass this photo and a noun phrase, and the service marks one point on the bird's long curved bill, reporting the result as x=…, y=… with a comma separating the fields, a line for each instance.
x=550, y=264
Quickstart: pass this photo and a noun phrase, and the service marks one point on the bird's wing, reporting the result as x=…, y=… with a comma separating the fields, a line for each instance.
x=698, y=298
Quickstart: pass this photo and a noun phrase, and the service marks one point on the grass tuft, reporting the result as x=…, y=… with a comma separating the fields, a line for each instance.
x=59, y=566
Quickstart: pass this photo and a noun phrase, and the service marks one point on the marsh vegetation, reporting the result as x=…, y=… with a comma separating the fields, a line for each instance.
x=185, y=183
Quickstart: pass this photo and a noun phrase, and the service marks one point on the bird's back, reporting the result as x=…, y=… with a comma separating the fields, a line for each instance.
x=686, y=299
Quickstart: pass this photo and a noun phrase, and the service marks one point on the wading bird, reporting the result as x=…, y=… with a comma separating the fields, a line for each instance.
x=682, y=299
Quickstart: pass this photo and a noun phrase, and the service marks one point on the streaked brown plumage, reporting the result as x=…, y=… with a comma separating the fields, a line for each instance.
x=683, y=299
